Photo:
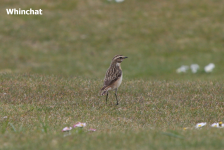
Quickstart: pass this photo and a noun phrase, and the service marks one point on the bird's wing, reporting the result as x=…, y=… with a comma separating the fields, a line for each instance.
x=112, y=76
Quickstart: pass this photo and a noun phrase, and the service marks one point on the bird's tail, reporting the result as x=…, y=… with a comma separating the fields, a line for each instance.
x=104, y=90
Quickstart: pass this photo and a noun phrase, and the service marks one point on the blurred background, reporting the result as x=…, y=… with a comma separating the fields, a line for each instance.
x=80, y=37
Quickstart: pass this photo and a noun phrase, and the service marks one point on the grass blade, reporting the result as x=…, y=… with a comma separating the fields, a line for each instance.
x=14, y=129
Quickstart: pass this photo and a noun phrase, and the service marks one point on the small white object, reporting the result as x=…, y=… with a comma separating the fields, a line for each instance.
x=66, y=129
x=199, y=125
x=194, y=68
x=218, y=125
x=79, y=124
x=182, y=69
x=119, y=1
x=91, y=129
x=5, y=117
x=209, y=67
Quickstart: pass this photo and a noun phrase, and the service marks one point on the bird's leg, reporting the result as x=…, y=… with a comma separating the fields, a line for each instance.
x=116, y=95
x=106, y=97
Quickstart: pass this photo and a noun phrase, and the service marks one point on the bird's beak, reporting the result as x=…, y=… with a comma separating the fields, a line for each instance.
x=125, y=57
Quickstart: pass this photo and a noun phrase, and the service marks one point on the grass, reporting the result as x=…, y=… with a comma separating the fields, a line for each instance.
x=52, y=67
x=151, y=114
x=80, y=38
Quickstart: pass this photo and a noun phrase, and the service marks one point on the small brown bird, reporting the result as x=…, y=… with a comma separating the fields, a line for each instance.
x=113, y=77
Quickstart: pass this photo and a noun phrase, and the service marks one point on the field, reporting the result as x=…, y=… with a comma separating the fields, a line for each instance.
x=52, y=68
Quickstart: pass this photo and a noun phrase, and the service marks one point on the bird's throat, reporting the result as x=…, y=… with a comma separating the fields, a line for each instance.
x=118, y=65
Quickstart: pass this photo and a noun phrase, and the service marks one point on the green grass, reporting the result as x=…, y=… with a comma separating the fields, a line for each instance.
x=151, y=114
x=52, y=67
x=80, y=38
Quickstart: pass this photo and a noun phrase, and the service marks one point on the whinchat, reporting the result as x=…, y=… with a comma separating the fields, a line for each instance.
x=113, y=77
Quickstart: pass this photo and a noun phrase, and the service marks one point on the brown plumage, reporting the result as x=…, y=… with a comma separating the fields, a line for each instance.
x=113, y=77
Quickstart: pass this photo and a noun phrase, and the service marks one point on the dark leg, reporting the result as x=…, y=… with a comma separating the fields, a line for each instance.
x=116, y=96
x=106, y=97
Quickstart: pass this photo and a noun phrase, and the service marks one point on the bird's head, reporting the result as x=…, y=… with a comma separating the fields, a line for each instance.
x=118, y=58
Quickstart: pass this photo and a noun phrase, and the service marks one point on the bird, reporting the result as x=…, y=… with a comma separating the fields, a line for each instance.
x=113, y=77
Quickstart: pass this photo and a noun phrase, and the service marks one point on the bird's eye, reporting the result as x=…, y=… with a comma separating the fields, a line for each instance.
x=120, y=57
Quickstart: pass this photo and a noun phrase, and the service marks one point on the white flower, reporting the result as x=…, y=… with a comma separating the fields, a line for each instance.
x=118, y=1
x=215, y=125
x=79, y=124
x=218, y=125
x=91, y=129
x=209, y=67
x=194, y=68
x=66, y=129
x=182, y=69
x=5, y=117
x=199, y=125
